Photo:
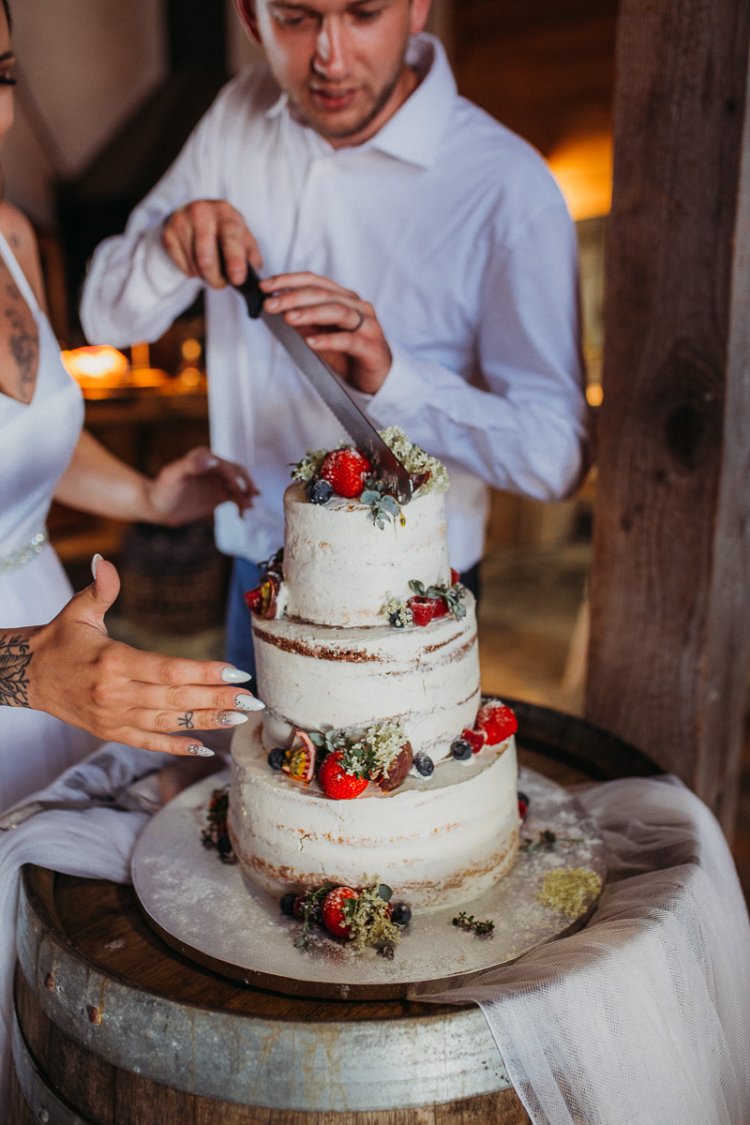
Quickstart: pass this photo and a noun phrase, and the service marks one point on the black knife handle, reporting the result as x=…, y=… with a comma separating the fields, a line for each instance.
x=252, y=292
x=250, y=289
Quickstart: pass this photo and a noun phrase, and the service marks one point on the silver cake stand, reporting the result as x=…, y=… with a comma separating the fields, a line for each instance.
x=203, y=908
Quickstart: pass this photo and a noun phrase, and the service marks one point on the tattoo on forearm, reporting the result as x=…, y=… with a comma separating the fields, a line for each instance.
x=186, y=720
x=15, y=657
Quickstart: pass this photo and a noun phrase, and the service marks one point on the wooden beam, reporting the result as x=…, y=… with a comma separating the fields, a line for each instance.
x=670, y=584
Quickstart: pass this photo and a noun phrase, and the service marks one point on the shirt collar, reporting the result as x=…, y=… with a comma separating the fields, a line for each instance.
x=279, y=106
x=413, y=133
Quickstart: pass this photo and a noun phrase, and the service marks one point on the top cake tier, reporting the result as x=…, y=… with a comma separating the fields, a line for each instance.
x=341, y=568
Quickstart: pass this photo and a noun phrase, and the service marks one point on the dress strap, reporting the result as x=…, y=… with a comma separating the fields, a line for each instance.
x=19, y=276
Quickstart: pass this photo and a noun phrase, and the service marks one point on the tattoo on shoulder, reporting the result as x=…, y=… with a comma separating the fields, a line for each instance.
x=15, y=657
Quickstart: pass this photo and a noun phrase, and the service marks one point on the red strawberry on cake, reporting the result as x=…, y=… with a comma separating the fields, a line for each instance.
x=426, y=609
x=475, y=738
x=333, y=911
x=336, y=782
x=497, y=721
x=346, y=471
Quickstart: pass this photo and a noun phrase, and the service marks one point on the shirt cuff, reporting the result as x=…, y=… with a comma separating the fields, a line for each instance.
x=162, y=273
x=402, y=393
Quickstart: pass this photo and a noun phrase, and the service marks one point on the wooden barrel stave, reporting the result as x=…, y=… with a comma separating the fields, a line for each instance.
x=66, y=999
x=67, y=1074
x=108, y=1095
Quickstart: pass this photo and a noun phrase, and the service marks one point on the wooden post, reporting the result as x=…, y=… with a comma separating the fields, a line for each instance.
x=670, y=587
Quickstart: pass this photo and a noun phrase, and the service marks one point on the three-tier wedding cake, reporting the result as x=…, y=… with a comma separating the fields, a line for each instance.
x=375, y=756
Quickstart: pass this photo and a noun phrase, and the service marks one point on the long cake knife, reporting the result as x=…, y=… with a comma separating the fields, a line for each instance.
x=334, y=395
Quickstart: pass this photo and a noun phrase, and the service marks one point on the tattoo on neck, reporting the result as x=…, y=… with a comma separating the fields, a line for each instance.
x=15, y=657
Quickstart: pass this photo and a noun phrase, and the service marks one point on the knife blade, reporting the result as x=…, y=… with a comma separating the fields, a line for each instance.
x=325, y=381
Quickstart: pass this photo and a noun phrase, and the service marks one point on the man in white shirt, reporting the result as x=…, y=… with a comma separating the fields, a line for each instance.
x=422, y=248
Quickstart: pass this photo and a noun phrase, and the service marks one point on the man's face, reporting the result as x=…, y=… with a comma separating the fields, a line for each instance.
x=341, y=62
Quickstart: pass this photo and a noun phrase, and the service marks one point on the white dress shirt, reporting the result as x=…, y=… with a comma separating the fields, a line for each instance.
x=447, y=222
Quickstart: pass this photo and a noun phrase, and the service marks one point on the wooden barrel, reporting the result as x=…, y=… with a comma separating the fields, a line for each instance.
x=173, y=578
x=114, y=1027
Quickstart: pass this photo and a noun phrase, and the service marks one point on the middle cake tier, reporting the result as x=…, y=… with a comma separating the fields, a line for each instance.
x=319, y=678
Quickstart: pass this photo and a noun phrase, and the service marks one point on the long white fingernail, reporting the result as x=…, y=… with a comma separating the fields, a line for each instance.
x=94, y=564
x=232, y=718
x=248, y=703
x=199, y=751
x=235, y=676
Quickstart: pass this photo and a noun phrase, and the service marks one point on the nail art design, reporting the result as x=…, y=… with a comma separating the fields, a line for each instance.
x=199, y=751
x=235, y=676
x=248, y=703
x=232, y=718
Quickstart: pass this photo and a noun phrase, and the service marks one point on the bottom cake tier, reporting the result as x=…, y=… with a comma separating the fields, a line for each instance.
x=436, y=841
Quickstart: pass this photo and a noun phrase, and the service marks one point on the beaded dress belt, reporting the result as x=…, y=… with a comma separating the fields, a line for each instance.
x=29, y=551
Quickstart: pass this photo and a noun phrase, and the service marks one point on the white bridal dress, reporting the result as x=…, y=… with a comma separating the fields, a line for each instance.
x=37, y=440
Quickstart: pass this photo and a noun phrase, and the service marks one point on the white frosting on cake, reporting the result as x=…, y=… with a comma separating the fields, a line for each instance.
x=436, y=841
x=340, y=568
x=331, y=661
x=315, y=678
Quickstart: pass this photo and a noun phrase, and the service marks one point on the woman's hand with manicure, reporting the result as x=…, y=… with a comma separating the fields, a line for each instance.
x=74, y=670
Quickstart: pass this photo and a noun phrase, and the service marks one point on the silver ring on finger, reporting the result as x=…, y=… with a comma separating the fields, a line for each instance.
x=360, y=321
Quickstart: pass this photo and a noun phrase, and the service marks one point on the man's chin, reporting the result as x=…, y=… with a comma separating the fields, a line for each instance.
x=337, y=129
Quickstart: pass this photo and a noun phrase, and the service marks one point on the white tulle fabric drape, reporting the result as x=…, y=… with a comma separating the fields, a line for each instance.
x=95, y=843
x=643, y=1017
